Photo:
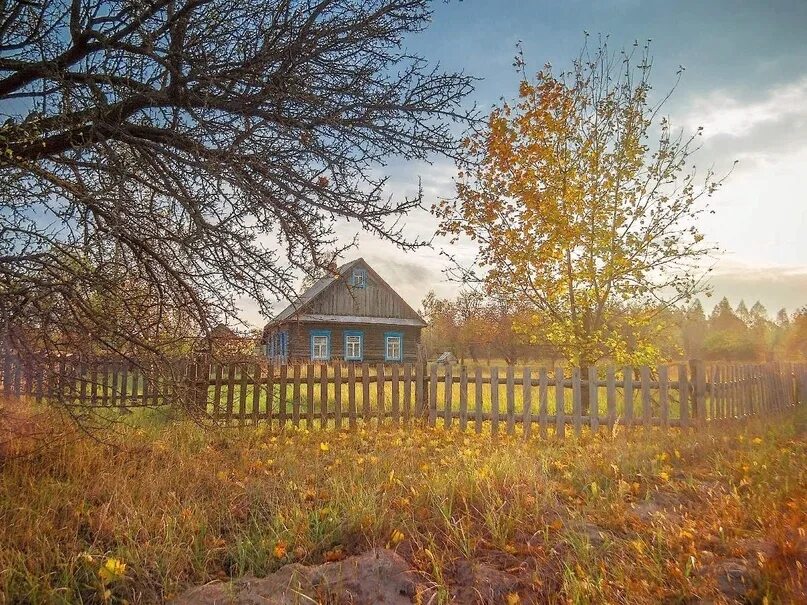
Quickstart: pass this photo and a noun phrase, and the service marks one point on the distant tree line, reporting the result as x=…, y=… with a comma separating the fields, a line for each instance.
x=479, y=329
x=743, y=334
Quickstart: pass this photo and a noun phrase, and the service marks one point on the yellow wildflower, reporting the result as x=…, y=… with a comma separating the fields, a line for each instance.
x=112, y=570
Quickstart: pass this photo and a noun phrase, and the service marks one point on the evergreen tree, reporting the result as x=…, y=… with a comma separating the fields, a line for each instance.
x=693, y=330
x=758, y=313
x=743, y=313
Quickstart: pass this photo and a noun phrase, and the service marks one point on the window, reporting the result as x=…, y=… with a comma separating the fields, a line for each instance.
x=320, y=345
x=359, y=278
x=354, y=345
x=393, y=346
x=284, y=346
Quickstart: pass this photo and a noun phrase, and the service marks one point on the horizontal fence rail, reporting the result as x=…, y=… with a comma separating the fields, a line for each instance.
x=554, y=401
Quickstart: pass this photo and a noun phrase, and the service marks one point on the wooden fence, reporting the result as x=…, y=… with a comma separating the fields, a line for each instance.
x=481, y=399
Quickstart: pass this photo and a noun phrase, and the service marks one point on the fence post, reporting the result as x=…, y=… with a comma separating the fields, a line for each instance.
x=201, y=377
x=698, y=372
x=420, y=384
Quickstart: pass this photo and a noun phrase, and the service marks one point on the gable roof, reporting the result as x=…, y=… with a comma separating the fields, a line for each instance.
x=343, y=272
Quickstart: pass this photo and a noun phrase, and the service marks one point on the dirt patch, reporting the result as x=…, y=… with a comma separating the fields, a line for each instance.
x=379, y=576
x=736, y=580
x=482, y=583
x=658, y=504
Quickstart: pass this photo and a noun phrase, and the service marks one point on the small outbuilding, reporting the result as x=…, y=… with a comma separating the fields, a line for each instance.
x=448, y=358
x=352, y=315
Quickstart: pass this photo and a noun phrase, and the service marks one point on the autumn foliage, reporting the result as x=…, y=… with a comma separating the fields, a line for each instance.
x=576, y=214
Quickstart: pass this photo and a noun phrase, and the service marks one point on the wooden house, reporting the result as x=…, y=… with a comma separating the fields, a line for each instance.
x=352, y=315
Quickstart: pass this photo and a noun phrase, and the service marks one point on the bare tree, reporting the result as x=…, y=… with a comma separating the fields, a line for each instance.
x=167, y=156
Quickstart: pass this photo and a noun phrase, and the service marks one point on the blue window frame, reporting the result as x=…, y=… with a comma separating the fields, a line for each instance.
x=277, y=349
x=354, y=345
x=393, y=346
x=359, y=278
x=320, y=345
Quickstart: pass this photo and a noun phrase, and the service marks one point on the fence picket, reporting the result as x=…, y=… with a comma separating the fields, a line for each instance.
x=735, y=391
x=323, y=395
x=407, y=395
x=664, y=403
x=511, y=401
x=156, y=385
x=627, y=394
x=309, y=396
x=395, y=404
x=543, y=402
x=124, y=385
x=478, y=398
x=448, y=389
x=351, y=395
x=295, y=396
x=463, y=398
x=113, y=392
x=420, y=405
x=494, y=401
x=256, y=394
x=647, y=409
x=94, y=384
x=135, y=384
x=560, y=403
x=594, y=399
x=230, y=384
x=526, y=402
x=683, y=395
x=146, y=373
x=365, y=391
x=380, y=382
x=242, y=395
x=82, y=383
x=433, y=395
x=610, y=396
x=104, y=384
x=337, y=394
x=270, y=394
x=577, y=403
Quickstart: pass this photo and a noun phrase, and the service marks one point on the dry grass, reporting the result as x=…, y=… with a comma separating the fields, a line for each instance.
x=610, y=518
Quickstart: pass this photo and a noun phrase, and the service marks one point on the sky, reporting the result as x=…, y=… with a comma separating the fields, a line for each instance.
x=745, y=83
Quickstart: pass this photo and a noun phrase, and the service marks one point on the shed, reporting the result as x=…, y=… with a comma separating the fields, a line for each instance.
x=352, y=315
x=447, y=358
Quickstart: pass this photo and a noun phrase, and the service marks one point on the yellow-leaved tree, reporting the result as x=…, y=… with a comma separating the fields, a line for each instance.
x=577, y=214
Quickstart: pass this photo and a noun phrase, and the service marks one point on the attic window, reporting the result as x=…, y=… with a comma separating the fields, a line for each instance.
x=359, y=278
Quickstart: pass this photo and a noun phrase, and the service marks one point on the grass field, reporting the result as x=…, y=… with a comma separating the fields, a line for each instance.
x=627, y=517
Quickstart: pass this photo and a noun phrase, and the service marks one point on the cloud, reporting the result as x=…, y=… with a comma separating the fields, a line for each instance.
x=722, y=113
x=774, y=286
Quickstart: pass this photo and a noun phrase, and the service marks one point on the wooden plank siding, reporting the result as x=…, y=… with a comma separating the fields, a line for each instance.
x=373, y=340
x=377, y=299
